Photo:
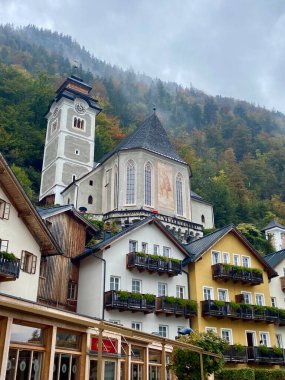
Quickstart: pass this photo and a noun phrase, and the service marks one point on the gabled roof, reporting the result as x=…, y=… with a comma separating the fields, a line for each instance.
x=198, y=198
x=273, y=224
x=198, y=247
x=52, y=211
x=26, y=210
x=151, y=136
x=275, y=258
x=150, y=220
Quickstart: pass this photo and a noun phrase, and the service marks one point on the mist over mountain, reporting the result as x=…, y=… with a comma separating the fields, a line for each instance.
x=235, y=149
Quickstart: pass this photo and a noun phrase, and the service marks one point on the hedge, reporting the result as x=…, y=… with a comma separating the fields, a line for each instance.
x=250, y=374
x=236, y=374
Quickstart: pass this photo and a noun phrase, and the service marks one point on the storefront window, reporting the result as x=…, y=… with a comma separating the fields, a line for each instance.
x=93, y=370
x=136, y=371
x=26, y=334
x=137, y=353
x=154, y=372
x=66, y=367
x=24, y=365
x=67, y=340
x=109, y=370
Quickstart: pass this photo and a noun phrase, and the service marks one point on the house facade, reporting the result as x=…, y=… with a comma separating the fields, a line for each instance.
x=230, y=282
x=24, y=239
x=136, y=279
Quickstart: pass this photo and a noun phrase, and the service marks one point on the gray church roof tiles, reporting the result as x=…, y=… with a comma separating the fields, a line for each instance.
x=275, y=258
x=151, y=136
x=273, y=224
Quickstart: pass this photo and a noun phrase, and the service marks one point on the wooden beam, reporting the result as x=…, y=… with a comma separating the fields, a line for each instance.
x=100, y=358
x=5, y=333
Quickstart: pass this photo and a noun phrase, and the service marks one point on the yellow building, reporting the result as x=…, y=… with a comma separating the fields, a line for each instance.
x=230, y=281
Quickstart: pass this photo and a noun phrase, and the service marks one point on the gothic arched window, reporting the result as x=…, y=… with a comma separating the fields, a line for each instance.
x=179, y=194
x=130, y=190
x=148, y=184
x=90, y=200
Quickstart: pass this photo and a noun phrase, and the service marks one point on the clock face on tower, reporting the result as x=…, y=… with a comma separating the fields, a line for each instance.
x=80, y=108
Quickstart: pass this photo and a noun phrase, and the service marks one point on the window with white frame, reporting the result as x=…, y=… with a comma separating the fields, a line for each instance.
x=213, y=329
x=208, y=293
x=247, y=297
x=273, y=302
x=236, y=260
x=166, y=251
x=28, y=262
x=133, y=246
x=72, y=290
x=223, y=295
x=163, y=330
x=259, y=299
x=148, y=184
x=4, y=209
x=245, y=261
x=215, y=257
x=136, y=286
x=4, y=245
x=115, y=283
x=144, y=247
x=279, y=340
x=115, y=321
x=156, y=249
x=180, y=291
x=179, y=194
x=162, y=289
x=130, y=190
x=264, y=339
x=226, y=334
x=78, y=123
x=137, y=325
x=226, y=258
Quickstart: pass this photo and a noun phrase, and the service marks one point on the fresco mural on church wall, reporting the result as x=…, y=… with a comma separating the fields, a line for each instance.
x=165, y=186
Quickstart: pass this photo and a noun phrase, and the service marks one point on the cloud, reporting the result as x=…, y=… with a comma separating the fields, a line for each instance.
x=232, y=48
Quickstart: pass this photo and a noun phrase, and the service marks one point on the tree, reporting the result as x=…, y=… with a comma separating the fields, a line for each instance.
x=256, y=238
x=186, y=363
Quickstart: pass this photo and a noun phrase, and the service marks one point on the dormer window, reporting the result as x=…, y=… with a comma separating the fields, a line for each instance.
x=78, y=123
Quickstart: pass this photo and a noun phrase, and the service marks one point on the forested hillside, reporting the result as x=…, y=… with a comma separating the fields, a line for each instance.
x=236, y=150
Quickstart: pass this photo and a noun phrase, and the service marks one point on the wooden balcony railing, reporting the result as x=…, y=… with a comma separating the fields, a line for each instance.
x=242, y=311
x=176, y=306
x=154, y=263
x=126, y=301
x=234, y=273
x=261, y=354
x=9, y=269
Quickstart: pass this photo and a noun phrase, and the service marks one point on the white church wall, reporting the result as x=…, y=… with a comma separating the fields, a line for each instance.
x=200, y=209
x=115, y=257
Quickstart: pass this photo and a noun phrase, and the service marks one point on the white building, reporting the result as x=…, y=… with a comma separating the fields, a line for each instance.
x=276, y=233
x=142, y=175
x=24, y=239
x=277, y=290
x=136, y=279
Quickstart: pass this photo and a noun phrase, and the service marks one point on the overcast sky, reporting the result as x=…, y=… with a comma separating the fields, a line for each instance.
x=230, y=47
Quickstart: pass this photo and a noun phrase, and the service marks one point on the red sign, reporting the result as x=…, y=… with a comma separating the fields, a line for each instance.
x=108, y=345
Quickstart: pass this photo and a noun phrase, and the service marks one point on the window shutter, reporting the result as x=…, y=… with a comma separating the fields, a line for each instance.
x=7, y=211
x=34, y=264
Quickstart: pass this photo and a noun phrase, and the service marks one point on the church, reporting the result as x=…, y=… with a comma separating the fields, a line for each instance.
x=142, y=176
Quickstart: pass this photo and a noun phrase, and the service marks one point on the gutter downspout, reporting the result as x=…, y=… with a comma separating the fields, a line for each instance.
x=104, y=280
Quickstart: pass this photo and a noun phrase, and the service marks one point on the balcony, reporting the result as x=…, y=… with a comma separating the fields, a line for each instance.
x=241, y=354
x=126, y=301
x=9, y=267
x=226, y=272
x=154, y=263
x=176, y=306
x=221, y=309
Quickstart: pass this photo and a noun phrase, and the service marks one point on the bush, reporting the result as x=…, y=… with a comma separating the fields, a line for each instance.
x=250, y=374
x=269, y=374
x=236, y=374
x=8, y=256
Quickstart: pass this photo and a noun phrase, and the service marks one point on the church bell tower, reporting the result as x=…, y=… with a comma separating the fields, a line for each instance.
x=70, y=138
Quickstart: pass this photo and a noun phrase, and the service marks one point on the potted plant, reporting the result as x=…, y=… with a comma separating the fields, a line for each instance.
x=278, y=350
x=263, y=350
x=149, y=298
x=239, y=348
x=8, y=256
x=192, y=306
x=122, y=295
x=259, y=310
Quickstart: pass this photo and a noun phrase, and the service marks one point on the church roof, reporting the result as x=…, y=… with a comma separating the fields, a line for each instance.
x=273, y=224
x=151, y=136
x=275, y=258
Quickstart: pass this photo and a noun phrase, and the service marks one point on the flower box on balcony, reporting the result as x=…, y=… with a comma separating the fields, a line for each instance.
x=236, y=273
x=124, y=301
x=9, y=266
x=176, y=306
x=154, y=263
